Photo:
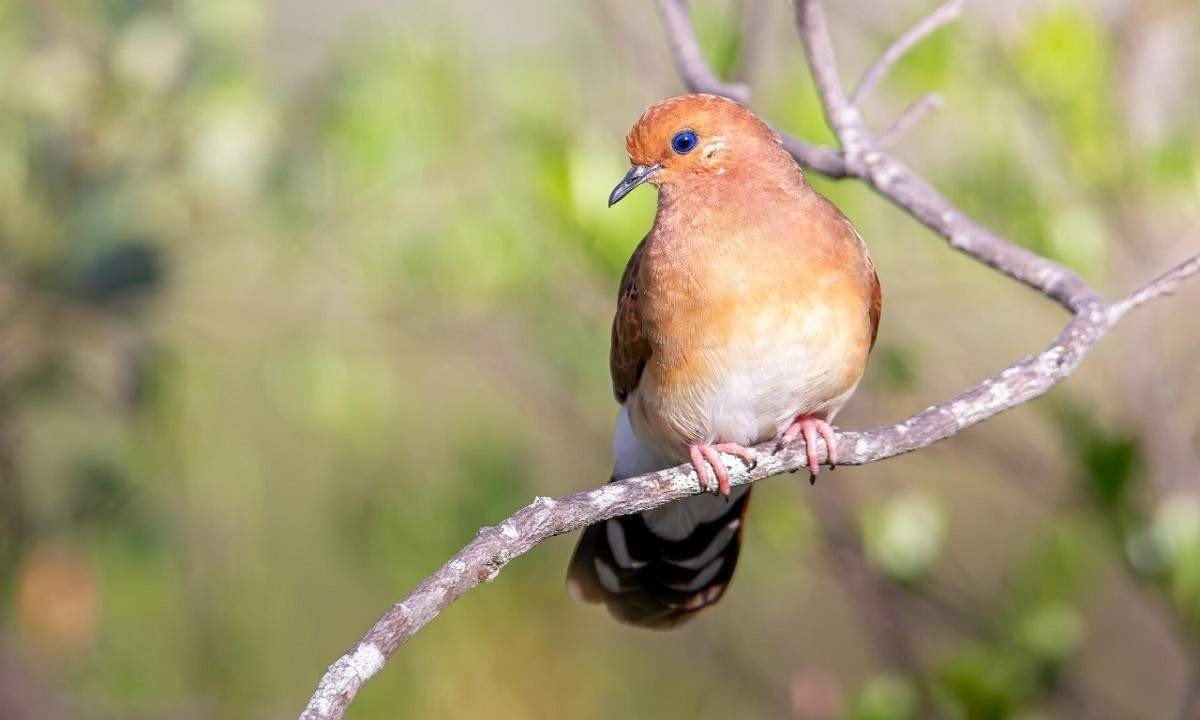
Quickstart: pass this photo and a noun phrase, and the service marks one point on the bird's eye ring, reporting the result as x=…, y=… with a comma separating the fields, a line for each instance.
x=683, y=142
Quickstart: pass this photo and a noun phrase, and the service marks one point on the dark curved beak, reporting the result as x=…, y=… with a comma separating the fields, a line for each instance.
x=637, y=175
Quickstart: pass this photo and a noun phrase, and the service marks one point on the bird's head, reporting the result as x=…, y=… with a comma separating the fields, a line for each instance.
x=691, y=138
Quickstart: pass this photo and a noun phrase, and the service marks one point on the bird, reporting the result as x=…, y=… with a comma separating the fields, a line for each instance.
x=745, y=315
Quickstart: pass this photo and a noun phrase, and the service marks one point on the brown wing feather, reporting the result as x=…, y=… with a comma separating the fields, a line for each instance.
x=876, y=308
x=630, y=348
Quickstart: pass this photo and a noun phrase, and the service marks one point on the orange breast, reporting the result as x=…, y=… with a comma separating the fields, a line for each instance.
x=750, y=331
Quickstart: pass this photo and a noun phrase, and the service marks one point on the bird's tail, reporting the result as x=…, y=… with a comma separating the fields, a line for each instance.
x=661, y=567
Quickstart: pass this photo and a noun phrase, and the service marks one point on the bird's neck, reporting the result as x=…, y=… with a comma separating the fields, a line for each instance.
x=729, y=201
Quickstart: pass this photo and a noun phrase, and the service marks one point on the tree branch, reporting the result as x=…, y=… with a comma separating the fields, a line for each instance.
x=494, y=547
x=1165, y=284
x=841, y=115
x=1092, y=317
x=689, y=61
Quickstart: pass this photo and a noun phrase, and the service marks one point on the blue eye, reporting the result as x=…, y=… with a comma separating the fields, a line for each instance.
x=683, y=142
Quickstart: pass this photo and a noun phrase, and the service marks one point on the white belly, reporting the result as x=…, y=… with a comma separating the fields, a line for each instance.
x=784, y=364
x=793, y=367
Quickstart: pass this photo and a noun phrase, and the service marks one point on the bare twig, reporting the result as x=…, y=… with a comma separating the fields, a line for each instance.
x=912, y=115
x=945, y=13
x=1092, y=317
x=688, y=58
x=842, y=116
x=1164, y=284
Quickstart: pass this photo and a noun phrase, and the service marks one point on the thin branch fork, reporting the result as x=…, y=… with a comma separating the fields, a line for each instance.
x=1092, y=317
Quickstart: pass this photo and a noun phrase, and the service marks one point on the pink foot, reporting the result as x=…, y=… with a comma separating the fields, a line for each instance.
x=810, y=427
x=709, y=455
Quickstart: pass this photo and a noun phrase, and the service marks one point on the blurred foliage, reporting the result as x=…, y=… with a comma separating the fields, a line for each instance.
x=1107, y=460
x=884, y=698
x=273, y=350
x=1161, y=542
x=1019, y=660
x=1064, y=58
x=904, y=536
x=1177, y=531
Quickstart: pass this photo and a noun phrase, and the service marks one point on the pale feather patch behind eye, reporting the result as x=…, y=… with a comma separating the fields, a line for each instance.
x=712, y=148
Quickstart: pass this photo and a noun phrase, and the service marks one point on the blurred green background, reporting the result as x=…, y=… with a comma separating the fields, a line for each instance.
x=295, y=296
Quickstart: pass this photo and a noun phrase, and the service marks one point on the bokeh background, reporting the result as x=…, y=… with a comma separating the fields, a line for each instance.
x=295, y=296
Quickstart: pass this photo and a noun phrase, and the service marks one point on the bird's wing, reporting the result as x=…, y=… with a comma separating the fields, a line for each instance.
x=630, y=348
x=876, y=308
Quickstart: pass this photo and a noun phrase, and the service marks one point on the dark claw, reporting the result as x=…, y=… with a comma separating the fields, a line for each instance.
x=812, y=478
